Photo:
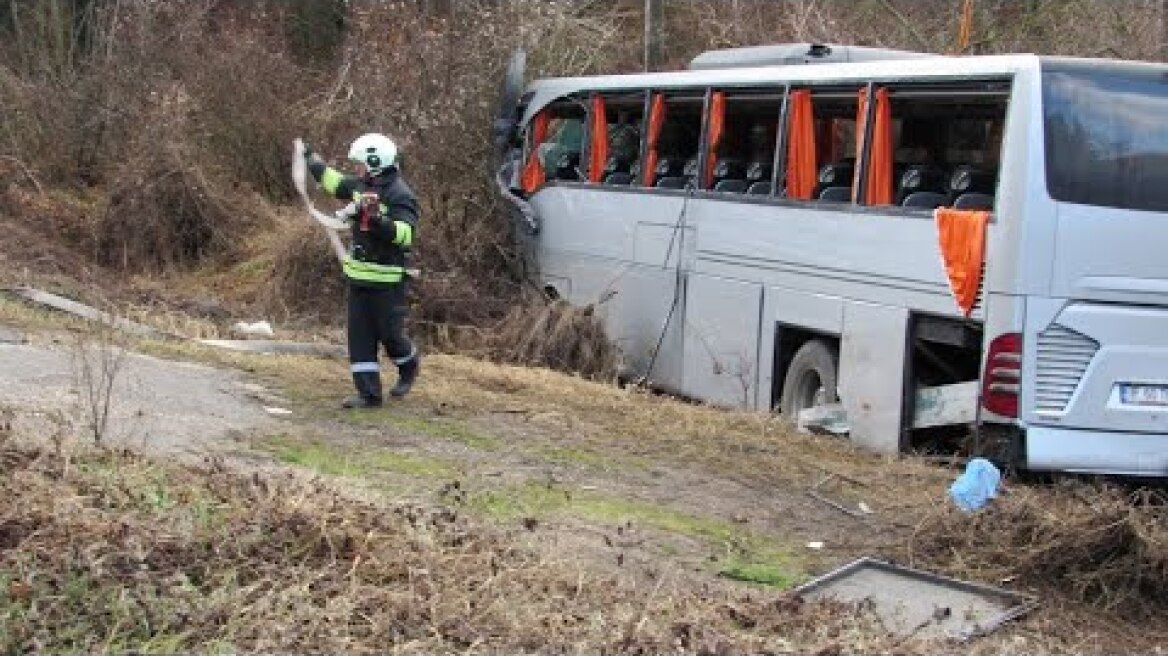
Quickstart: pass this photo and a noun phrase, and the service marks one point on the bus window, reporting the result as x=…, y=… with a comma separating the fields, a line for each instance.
x=553, y=144
x=835, y=144
x=946, y=144
x=560, y=150
x=1106, y=138
x=675, y=158
x=625, y=117
x=746, y=150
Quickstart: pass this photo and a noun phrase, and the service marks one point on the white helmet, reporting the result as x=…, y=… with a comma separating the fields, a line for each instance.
x=376, y=151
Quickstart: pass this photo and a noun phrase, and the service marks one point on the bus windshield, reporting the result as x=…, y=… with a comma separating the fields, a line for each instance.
x=1106, y=136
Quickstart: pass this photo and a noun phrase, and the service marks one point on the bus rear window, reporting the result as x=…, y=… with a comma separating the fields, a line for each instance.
x=1106, y=134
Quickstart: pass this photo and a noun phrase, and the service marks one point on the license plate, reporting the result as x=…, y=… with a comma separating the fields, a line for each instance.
x=1143, y=394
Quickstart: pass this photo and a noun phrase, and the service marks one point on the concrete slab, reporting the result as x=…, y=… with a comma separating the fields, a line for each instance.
x=911, y=602
x=84, y=311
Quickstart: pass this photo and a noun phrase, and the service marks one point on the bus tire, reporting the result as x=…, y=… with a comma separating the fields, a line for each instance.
x=810, y=379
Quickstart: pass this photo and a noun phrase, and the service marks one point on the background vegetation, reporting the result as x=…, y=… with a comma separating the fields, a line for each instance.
x=145, y=144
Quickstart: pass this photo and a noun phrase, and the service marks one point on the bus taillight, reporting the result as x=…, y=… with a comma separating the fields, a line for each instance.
x=1003, y=375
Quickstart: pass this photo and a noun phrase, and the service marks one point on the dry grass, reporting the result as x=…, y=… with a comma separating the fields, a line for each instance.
x=118, y=554
x=1066, y=543
x=1102, y=545
x=555, y=335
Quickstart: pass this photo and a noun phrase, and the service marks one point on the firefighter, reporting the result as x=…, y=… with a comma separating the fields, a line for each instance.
x=382, y=213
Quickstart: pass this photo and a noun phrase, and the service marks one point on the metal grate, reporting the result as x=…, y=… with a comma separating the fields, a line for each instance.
x=1063, y=356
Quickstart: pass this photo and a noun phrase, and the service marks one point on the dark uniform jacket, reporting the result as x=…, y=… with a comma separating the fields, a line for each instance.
x=384, y=228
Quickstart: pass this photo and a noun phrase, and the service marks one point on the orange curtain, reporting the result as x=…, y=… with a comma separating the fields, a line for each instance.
x=598, y=140
x=961, y=235
x=533, y=174
x=878, y=177
x=801, y=164
x=656, y=122
x=714, y=135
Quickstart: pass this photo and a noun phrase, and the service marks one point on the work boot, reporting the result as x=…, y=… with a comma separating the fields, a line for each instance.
x=407, y=373
x=358, y=401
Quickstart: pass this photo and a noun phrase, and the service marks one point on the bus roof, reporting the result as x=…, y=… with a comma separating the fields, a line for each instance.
x=541, y=92
x=796, y=53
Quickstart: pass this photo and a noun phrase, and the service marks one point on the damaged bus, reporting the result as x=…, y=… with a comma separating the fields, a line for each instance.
x=914, y=241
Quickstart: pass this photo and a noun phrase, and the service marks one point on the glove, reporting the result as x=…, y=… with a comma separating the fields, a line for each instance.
x=310, y=155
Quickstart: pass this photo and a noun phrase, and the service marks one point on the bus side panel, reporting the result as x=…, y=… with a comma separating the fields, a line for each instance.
x=816, y=313
x=721, y=340
x=645, y=321
x=871, y=383
x=621, y=252
x=826, y=249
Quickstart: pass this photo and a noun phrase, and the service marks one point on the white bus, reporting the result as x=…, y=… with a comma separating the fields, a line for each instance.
x=923, y=240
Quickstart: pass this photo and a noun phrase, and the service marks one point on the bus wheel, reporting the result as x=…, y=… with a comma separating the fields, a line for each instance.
x=810, y=379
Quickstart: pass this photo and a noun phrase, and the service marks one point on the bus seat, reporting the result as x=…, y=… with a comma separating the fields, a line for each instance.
x=757, y=171
x=616, y=164
x=974, y=201
x=836, y=174
x=618, y=178
x=668, y=167
x=968, y=178
x=672, y=182
x=760, y=188
x=729, y=168
x=731, y=186
x=920, y=177
x=836, y=194
x=925, y=199
x=567, y=166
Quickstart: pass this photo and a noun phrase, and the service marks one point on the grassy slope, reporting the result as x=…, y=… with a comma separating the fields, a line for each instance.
x=460, y=526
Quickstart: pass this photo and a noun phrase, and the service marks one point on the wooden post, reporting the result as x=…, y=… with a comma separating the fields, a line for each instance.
x=654, y=33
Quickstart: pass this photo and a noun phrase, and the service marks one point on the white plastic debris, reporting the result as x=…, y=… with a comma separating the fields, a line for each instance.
x=258, y=328
x=829, y=419
x=815, y=545
x=277, y=412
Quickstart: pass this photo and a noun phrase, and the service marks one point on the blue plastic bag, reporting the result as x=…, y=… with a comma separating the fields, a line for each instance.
x=976, y=486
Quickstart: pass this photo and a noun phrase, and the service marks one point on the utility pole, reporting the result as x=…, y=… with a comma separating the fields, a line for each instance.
x=654, y=33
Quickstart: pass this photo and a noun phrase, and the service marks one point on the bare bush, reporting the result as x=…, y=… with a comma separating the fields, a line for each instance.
x=1098, y=544
x=1131, y=29
x=556, y=335
x=167, y=211
x=306, y=278
x=97, y=363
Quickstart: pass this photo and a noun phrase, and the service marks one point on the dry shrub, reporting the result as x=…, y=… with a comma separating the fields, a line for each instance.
x=229, y=84
x=166, y=210
x=116, y=551
x=252, y=101
x=1098, y=544
x=431, y=80
x=306, y=278
x=41, y=233
x=1095, y=28
x=556, y=335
